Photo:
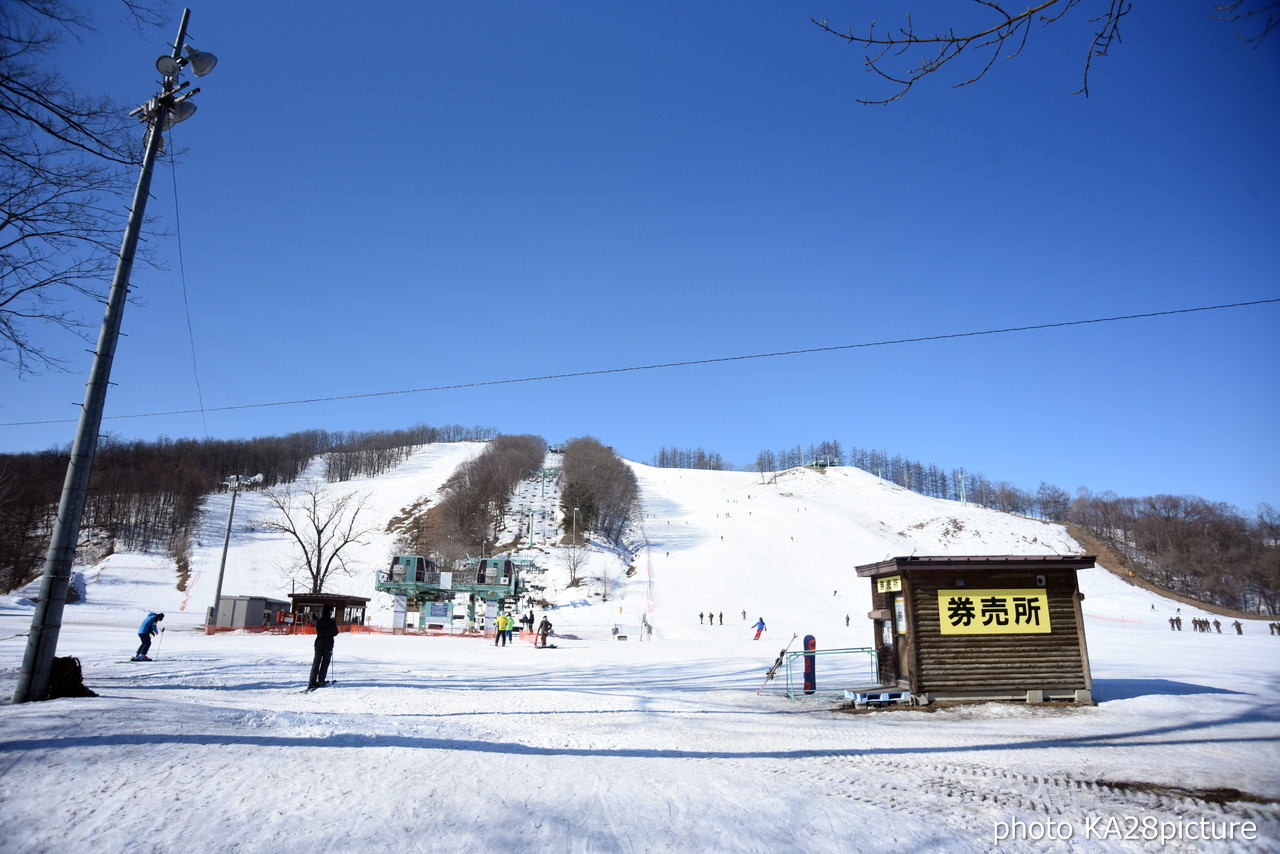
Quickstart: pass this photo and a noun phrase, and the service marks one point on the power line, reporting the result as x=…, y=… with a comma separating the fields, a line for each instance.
x=186, y=302
x=661, y=365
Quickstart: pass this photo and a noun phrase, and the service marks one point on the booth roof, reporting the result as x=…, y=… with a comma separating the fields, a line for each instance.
x=327, y=599
x=954, y=562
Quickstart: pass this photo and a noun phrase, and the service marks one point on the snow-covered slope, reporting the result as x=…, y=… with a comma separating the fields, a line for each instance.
x=786, y=549
x=446, y=743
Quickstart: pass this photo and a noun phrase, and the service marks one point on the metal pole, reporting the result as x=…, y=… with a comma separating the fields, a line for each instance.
x=46, y=621
x=226, y=541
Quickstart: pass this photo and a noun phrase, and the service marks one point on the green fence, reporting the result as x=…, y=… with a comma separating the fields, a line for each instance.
x=835, y=669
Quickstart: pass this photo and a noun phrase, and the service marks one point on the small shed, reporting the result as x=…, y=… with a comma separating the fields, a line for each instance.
x=240, y=612
x=981, y=628
x=347, y=610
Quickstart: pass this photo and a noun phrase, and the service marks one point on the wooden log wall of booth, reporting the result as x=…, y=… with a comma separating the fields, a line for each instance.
x=975, y=651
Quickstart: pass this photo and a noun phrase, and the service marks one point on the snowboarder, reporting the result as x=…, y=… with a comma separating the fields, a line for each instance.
x=326, y=631
x=700, y=616
x=1239, y=628
x=759, y=627
x=544, y=629
x=722, y=618
x=145, y=631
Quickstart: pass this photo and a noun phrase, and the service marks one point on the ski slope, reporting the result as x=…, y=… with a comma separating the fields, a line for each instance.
x=429, y=744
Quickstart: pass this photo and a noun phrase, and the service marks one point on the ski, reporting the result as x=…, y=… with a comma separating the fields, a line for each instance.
x=328, y=684
x=773, y=671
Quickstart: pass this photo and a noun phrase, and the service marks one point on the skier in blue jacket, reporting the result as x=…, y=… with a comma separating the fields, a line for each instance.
x=145, y=631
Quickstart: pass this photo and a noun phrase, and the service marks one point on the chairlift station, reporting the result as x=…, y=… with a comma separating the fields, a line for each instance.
x=433, y=593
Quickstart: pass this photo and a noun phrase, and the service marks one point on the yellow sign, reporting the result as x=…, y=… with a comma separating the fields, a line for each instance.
x=993, y=612
x=889, y=584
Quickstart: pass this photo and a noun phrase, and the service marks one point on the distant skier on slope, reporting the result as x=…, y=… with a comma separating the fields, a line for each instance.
x=326, y=631
x=759, y=627
x=145, y=631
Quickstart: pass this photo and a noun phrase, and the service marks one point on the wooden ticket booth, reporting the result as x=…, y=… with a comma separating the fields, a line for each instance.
x=981, y=628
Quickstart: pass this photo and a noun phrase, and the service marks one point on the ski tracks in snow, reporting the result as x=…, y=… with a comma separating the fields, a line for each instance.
x=970, y=800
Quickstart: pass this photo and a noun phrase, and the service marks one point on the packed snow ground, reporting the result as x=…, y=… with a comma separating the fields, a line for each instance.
x=431, y=744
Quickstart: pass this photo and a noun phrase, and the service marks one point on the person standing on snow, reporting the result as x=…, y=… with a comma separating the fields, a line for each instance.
x=501, y=634
x=544, y=629
x=759, y=627
x=326, y=631
x=145, y=631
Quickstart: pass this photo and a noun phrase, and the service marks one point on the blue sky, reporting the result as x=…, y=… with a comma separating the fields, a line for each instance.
x=391, y=196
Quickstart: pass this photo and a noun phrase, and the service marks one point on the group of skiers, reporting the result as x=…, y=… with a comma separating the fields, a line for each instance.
x=327, y=630
x=711, y=621
x=504, y=626
x=1199, y=625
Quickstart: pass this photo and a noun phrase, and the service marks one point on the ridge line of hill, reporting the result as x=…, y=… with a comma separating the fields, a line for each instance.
x=1111, y=560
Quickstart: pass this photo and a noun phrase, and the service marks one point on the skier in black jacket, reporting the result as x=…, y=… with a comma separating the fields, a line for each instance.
x=326, y=631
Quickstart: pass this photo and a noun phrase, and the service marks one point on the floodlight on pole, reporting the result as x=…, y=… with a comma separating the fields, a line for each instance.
x=46, y=621
x=233, y=483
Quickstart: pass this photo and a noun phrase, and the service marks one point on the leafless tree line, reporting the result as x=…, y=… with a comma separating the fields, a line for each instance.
x=958, y=484
x=601, y=487
x=689, y=458
x=370, y=454
x=1204, y=549
x=468, y=518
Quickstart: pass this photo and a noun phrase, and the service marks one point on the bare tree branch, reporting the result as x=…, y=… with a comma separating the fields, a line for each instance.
x=1238, y=11
x=323, y=523
x=65, y=160
x=1004, y=38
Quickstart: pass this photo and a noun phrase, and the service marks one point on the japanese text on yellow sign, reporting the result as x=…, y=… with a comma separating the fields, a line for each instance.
x=889, y=584
x=993, y=612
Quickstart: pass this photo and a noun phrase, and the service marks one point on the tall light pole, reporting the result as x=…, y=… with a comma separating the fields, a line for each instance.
x=575, y=527
x=234, y=483
x=160, y=113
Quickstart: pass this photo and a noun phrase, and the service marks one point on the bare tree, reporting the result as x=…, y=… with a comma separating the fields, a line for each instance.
x=64, y=160
x=988, y=30
x=765, y=462
x=323, y=523
x=574, y=557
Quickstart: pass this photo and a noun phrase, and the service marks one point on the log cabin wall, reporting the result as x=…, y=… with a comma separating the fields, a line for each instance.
x=994, y=627
x=997, y=663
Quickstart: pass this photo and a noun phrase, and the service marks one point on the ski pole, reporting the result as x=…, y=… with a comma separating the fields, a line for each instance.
x=159, y=641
